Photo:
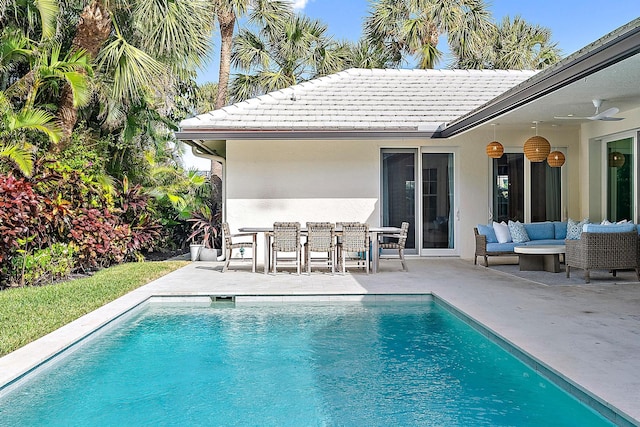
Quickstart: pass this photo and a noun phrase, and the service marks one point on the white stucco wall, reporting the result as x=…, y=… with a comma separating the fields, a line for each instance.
x=339, y=180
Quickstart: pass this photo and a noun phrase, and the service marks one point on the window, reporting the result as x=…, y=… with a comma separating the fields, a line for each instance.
x=525, y=191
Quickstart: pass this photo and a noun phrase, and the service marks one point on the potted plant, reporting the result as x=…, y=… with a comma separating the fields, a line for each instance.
x=205, y=232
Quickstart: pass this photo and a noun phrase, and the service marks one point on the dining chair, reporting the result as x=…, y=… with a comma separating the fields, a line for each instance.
x=321, y=237
x=286, y=238
x=398, y=244
x=354, y=237
x=231, y=243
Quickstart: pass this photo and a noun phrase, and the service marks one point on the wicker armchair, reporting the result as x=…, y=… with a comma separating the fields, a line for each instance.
x=231, y=243
x=401, y=240
x=354, y=238
x=286, y=238
x=321, y=237
x=606, y=251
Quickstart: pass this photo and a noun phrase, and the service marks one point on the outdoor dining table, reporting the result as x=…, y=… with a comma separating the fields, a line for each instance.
x=373, y=234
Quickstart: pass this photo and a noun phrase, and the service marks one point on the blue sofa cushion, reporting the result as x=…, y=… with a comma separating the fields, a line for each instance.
x=502, y=247
x=540, y=230
x=489, y=232
x=574, y=229
x=609, y=228
x=560, y=228
x=546, y=242
x=518, y=232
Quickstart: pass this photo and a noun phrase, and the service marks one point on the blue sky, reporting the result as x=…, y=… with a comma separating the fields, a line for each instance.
x=573, y=23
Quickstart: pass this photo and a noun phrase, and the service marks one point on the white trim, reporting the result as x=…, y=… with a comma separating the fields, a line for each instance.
x=455, y=251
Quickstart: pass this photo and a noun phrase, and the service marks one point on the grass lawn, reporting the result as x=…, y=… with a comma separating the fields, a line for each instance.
x=27, y=314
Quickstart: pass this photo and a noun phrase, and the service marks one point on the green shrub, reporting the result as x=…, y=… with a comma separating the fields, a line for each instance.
x=43, y=266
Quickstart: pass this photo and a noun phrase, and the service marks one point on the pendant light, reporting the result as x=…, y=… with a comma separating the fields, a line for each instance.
x=616, y=159
x=537, y=148
x=555, y=159
x=494, y=149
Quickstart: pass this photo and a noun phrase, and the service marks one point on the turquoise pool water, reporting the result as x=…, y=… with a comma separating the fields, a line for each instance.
x=343, y=364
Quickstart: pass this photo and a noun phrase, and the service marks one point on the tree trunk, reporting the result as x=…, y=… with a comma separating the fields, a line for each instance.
x=92, y=32
x=226, y=21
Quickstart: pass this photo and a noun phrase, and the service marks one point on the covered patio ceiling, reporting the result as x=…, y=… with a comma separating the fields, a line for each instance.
x=607, y=69
x=617, y=86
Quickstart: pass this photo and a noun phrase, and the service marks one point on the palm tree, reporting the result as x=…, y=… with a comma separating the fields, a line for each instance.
x=267, y=13
x=138, y=44
x=364, y=54
x=14, y=128
x=514, y=45
x=413, y=27
x=36, y=17
x=298, y=50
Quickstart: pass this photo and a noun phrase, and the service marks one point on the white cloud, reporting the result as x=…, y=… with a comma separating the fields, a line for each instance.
x=299, y=4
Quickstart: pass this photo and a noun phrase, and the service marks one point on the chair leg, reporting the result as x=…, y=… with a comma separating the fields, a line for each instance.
x=486, y=261
x=587, y=276
x=367, y=253
x=227, y=261
x=404, y=264
x=567, y=269
x=638, y=274
x=332, y=256
x=254, y=263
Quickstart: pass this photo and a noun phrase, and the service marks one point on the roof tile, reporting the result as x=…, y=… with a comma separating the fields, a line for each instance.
x=366, y=99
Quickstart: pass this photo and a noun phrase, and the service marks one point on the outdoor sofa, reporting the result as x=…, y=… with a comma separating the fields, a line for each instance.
x=604, y=247
x=537, y=233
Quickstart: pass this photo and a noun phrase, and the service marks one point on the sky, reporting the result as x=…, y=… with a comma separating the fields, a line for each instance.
x=573, y=24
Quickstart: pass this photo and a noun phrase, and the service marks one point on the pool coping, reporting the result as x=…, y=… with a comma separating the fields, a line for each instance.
x=18, y=365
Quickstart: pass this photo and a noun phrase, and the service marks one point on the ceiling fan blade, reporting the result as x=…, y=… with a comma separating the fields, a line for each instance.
x=571, y=118
x=611, y=119
x=606, y=113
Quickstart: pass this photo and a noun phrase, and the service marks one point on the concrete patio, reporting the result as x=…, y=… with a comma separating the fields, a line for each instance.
x=587, y=334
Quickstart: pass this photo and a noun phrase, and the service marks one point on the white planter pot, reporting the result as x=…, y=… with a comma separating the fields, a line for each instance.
x=208, y=254
x=195, y=251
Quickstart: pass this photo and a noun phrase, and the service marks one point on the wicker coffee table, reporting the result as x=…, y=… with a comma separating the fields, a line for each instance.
x=540, y=257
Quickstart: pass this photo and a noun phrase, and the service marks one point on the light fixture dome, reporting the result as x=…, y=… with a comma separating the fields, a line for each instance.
x=555, y=159
x=537, y=148
x=495, y=150
x=616, y=159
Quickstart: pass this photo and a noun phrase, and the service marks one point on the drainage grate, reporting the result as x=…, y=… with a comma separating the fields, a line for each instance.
x=223, y=299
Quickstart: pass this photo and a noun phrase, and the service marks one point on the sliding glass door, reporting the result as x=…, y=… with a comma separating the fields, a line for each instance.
x=525, y=191
x=438, y=201
x=620, y=180
x=399, y=191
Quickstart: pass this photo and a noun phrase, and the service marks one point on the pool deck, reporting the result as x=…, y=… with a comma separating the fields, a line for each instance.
x=588, y=334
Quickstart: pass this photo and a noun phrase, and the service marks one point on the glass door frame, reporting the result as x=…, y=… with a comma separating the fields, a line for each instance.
x=633, y=134
x=455, y=251
x=416, y=177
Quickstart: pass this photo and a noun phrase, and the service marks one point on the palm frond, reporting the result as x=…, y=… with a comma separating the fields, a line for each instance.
x=134, y=70
x=20, y=156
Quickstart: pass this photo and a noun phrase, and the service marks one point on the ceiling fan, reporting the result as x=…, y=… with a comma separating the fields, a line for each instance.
x=605, y=115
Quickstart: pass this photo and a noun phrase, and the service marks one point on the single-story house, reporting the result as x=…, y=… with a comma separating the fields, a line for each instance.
x=386, y=146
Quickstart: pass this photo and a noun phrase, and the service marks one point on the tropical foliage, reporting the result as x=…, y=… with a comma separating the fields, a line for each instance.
x=282, y=55
x=92, y=91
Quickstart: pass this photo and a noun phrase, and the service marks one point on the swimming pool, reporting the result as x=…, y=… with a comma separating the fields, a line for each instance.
x=292, y=364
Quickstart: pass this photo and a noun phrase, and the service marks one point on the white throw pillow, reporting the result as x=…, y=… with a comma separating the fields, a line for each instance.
x=502, y=232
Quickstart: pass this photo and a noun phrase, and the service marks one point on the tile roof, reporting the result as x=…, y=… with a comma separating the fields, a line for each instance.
x=364, y=99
